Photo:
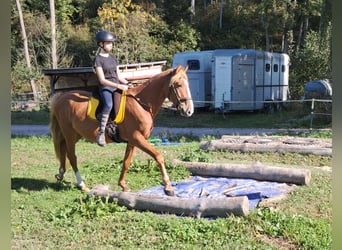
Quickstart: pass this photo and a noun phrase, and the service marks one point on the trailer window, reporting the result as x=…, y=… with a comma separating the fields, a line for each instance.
x=268, y=67
x=283, y=68
x=193, y=64
x=275, y=68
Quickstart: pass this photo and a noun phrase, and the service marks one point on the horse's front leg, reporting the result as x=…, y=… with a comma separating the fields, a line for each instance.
x=149, y=149
x=168, y=189
x=126, y=163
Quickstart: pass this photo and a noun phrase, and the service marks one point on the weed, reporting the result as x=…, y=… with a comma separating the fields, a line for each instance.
x=194, y=155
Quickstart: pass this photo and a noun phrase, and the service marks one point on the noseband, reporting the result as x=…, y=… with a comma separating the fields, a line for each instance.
x=180, y=100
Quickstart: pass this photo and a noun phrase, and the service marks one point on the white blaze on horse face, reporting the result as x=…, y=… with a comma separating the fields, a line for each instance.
x=190, y=105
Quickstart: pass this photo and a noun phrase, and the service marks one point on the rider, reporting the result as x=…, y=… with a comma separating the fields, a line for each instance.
x=111, y=83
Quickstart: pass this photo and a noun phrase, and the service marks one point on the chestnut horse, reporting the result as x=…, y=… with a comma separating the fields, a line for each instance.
x=69, y=121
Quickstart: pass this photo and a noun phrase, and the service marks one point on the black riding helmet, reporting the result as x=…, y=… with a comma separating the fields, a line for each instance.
x=104, y=36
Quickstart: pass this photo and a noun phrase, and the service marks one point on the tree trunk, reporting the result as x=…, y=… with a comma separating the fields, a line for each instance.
x=261, y=145
x=53, y=34
x=221, y=13
x=192, y=14
x=267, y=38
x=195, y=207
x=26, y=49
x=253, y=171
x=305, y=30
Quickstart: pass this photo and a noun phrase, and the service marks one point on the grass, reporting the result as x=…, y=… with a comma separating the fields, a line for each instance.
x=295, y=116
x=50, y=215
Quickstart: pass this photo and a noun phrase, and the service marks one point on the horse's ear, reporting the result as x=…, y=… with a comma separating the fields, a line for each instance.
x=179, y=66
x=186, y=68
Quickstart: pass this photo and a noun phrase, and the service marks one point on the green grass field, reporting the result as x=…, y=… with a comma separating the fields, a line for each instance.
x=50, y=215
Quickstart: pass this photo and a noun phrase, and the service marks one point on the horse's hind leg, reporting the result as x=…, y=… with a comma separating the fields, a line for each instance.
x=62, y=161
x=70, y=152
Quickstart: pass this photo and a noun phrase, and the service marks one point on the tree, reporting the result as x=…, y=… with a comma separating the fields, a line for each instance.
x=53, y=34
x=26, y=49
x=312, y=62
x=149, y=30
x=143, y=36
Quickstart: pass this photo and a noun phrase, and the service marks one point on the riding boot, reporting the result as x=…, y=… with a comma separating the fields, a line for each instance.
x=101, y=138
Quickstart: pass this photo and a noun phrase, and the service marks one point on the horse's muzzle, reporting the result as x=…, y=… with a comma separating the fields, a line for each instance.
x=186, y=108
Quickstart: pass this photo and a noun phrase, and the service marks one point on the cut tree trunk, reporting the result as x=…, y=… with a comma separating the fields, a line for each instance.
x=255, y=171
x=196, y=207
x=270, y=144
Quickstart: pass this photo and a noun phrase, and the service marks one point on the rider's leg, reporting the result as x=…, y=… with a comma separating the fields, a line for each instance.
x=107, y=100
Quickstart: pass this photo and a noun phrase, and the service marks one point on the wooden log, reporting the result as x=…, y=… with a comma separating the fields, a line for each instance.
x=255, y=171
x=195, y=207
x=249, y=147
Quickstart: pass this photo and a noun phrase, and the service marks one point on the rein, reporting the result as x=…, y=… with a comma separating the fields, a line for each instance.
x=173, y=88
x=147, y=107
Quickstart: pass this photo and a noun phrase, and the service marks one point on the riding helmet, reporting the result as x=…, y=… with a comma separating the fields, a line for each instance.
x=104, y=36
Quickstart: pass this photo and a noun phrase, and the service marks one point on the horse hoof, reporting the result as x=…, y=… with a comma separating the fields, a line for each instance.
x=58, y=177
x=126, y=189
x=169, y=192
x=84, y=189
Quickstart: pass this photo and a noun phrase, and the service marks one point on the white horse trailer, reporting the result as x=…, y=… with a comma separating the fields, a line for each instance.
x=241, y=79
x=245, y=79
x=199, y=74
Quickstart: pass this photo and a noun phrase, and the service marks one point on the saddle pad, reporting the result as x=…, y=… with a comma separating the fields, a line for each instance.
x=92, y=106
x=94, y=102
x=121, y=113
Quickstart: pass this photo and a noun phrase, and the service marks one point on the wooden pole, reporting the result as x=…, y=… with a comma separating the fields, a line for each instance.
x=255, y=171
x=195, y=207
x=280, y=148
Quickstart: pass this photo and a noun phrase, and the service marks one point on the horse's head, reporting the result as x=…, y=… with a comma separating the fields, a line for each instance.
x=180, y=93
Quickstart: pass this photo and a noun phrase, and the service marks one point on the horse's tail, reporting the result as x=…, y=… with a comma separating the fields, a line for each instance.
x=56, y=132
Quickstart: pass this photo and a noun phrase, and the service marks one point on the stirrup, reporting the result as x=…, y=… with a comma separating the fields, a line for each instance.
x=101, y=139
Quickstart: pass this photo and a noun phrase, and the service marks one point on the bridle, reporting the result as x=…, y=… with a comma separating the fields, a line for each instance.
x=180, y=100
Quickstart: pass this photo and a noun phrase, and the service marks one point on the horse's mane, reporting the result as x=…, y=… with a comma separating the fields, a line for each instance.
x=142, y=86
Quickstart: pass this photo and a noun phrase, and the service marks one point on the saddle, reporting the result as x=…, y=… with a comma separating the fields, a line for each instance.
x=94, y=112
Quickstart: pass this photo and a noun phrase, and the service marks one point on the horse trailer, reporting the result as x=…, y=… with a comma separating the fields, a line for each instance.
x=240, y=79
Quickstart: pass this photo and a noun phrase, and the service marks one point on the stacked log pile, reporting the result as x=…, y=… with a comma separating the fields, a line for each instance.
x=280, y=144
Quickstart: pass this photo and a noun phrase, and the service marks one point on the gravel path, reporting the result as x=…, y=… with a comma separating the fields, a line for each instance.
x=199, y=132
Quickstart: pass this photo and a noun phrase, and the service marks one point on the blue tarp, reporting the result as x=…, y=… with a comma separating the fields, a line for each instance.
x=216, y=187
